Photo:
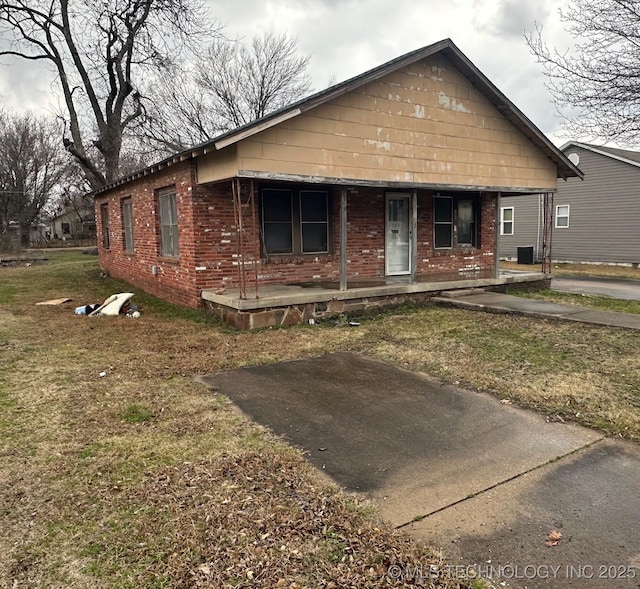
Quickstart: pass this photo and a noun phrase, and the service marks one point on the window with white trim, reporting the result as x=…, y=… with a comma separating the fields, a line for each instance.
x=168, y=224
x=506, y=221
x=562, y=216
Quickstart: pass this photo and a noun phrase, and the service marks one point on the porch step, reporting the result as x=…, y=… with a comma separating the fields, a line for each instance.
x=454, y=294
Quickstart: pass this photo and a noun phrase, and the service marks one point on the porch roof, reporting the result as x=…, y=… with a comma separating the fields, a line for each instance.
x=565, y=168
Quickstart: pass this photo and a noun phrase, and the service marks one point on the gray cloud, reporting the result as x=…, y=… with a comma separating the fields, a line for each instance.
x=347, y=37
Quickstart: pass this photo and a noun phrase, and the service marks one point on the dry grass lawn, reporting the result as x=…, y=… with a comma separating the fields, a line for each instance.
x=142, y=478
x=566, y=270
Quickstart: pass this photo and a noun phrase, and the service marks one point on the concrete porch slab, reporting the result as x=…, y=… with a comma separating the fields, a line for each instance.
x=284, y=295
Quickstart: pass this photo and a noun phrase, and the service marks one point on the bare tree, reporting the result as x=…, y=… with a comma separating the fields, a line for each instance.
x=100, y=51
x=31, y=167
x=596, y=84
x=178, y=115
x=233, y=85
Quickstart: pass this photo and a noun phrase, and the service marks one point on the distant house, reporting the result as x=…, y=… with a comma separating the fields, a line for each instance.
x=594, y=220
x=379, y=190
x=13, y=238
x=73, y=223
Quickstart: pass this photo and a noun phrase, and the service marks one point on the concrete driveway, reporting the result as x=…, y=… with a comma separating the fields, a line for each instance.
x=608, y=287
x=486, y=482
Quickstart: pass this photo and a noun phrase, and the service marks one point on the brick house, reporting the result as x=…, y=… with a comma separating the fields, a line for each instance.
x=382, y=189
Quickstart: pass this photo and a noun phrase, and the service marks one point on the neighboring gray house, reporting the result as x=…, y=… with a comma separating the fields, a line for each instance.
x=594, y=220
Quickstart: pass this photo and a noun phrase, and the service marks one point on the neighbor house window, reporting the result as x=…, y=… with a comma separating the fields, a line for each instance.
x=127, y=224
x=104, y=219
x=562, y=216
x=66, y=229
x=506, y=221
x=454, y=221
x=295, y=221
x=168, y=224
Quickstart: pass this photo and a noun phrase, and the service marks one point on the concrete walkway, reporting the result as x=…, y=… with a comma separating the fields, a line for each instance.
x=483, y=481
x=502, y=303
x=590, y=285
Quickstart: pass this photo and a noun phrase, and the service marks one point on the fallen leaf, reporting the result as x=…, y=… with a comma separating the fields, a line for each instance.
x=205, y=569
x=553, y=538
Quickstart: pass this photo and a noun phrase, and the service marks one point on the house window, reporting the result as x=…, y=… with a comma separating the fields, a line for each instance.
x=104, y=219
x=454, y=222
x=127, y=224
x=295, y=221
x=66, y=229
x=168, y=224
x=506, y=221
x=562, y=216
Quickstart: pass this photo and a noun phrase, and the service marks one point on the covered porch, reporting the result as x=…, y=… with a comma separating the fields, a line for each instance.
x=288, y=304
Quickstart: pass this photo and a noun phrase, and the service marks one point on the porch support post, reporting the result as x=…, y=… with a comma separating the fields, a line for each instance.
x=343, y=238
x=496, y=254
x=414, y=236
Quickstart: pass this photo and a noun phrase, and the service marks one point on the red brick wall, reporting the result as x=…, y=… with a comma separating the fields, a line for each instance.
x=438, y=261
x=175, y=279
x=208, y=239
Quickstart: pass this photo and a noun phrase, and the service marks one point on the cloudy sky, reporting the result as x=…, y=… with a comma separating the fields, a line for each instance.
x=347, y=37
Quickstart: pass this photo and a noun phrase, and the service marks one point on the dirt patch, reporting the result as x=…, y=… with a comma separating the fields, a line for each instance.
x=16, y=263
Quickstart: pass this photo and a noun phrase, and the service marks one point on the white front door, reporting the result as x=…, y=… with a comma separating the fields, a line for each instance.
x=397, y=235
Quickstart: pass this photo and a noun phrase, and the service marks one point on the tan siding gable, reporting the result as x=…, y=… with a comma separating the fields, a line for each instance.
x=218, y=165
x=425, y=124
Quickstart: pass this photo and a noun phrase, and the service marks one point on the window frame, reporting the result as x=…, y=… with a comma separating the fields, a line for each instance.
x=315, y=222
x=503, y=222
x=264, y=222
x=171, y=226
x=128, y=243
x=105, y=225
x=455, y=200
x=296, y=221
x=558, y=216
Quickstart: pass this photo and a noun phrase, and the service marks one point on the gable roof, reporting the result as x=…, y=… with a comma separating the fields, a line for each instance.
x=446, y=47
x=623, y=155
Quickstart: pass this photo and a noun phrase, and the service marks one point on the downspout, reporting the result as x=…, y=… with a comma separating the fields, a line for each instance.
x=496, y=254
x=538, y=233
